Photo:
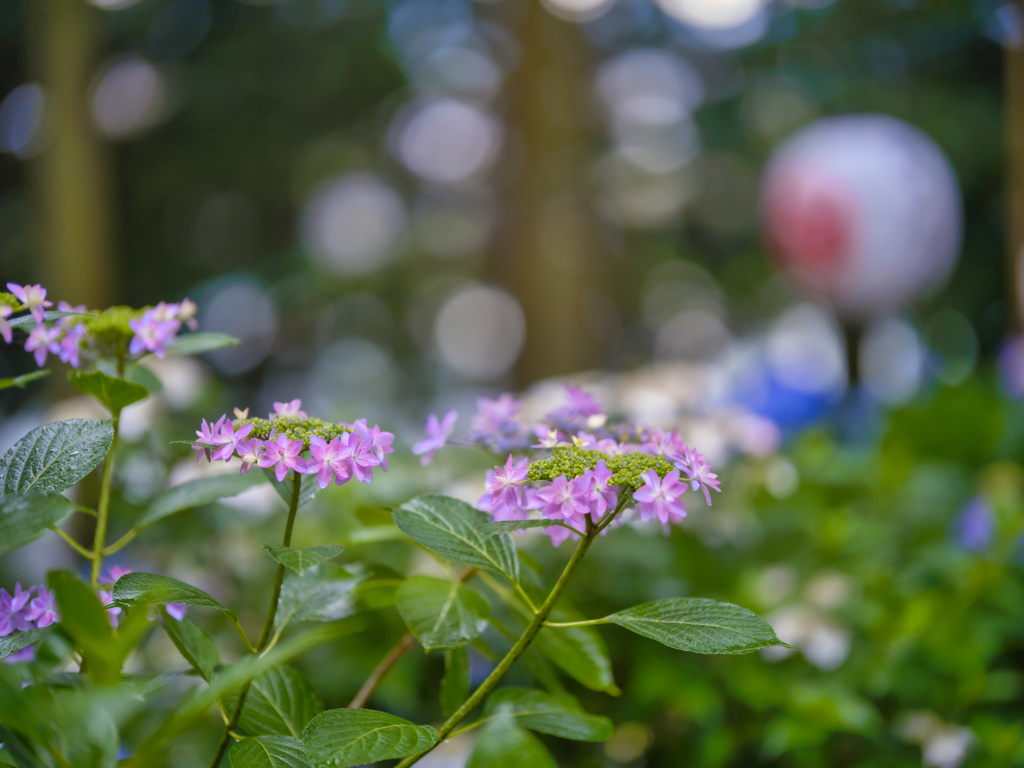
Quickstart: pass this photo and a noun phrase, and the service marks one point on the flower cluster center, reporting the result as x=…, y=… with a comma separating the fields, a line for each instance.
x=626, y=468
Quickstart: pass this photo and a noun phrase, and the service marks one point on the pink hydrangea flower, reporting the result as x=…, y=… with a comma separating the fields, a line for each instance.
x=360, y=458
x=437, y=436
x=282, y=454
x=33, y=297
x=328, y=461
x=42, y=340
x=42, y=609
x=503, y=485
x=249, y=452
x=5, y=327
x=206, y=434
x=698, y=472
x=660, y=497
x=293, y=408
x=565, y=499
x=227, y=438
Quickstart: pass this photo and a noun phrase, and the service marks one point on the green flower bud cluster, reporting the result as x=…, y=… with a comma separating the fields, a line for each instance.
x=111, y=325
x=294, y=428
x=9, y=300
x=572, y=462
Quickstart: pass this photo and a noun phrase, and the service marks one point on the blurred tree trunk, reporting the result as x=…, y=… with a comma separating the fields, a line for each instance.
x=549, y=250
x=1013, y=101
x=71, y=175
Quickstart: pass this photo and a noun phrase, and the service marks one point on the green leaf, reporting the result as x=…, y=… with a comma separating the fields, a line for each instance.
x=301, y=559
x=268, y=752
x=83, y=618
x=308, y=487
x=376, y=593
x=546, y=713
x=194, y=645
x=455, y=683
x=441, y=613
x=198, y=343
x=699, y=625
x=26, y=517
x=152, y=589
x=579, y=652
x=280, y=702
x=451, y=528
x=502, y=744
x=21, y=381
x=55, y=457
x=509, y=526
x=350, y=737
x=11, y=644
x=17, y=322
x=314, y=596
x=196, y=493
x=113, y=392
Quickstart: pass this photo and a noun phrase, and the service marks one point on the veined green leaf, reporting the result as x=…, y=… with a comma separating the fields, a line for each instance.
x=154, y=589
x=316, y=595
x=452, y=529
x=11, y=644
x=198, y=343
x=268, y=752
x=113, y=392
x=55, y=457
x=348, y=737
x=24, y=517
x=441, y=613
x=546, y=713
x=280, y=702
x=503, y=744
x=699, y=625
x=301, y=559
x=194, y=645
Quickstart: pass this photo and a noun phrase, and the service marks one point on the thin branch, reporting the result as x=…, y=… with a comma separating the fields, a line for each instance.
x=407, y=641
x=74, y=544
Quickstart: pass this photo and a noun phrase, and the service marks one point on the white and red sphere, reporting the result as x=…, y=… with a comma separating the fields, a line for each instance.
x=862, y=211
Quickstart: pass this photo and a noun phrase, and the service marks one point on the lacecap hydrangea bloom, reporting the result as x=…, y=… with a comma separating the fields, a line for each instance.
x=575, y=467
x=289, y=439
x=79, y=336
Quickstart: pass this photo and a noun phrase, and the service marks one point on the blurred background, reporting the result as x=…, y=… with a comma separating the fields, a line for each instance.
x=795, y=227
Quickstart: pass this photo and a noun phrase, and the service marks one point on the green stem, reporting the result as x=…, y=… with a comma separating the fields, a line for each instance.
x=268, y=623
x=74, y=544
x=103, y=510
x=517, y=650
x=564, y=624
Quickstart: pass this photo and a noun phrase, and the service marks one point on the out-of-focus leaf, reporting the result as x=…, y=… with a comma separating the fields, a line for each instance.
x=348, y=737
x=195, y=493
x=503, y=744
x=55, y=457
x=268, y=752
x=376, y=593
x=510, y=526
x=441, y=613
x=455, y=683
x=546, y=713
x=11, y=644
x=579, y=652
x=26, y=517
x=198, y=343
x=154, y=589
x=280, y=702
x=452, y=529
x=29, y=319
x=301, y=559
x=698, y=625
x=316, y=595
x=308, y=487
x=21, y=381
x=113, y=392
x=194, y=645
